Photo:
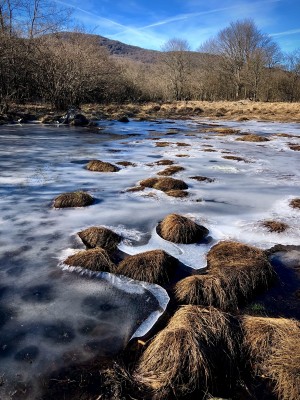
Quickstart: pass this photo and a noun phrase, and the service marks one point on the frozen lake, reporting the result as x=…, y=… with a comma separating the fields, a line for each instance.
x=41, y=304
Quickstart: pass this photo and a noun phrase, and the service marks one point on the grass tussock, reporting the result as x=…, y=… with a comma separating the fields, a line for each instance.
x=94, y=259
x=126, y=164
x=200, y=178
x=164, y=162
x=73, y=199
x=179, y=229
x=171, y=170
x=135, y=189
x=252, y=138
x=155, y=266
x=275, y=226
x=182, y=355
x=164, y=184
x=295, y=147
x=222, y=130
x=101, y=166
x=98, y=236
x=182, y=144
x=246, y=268
x=295, y=203
x=235, y=158
x=209, y=150
x=182, y=155
x=273, y=345
x=207, y=290
x=162, y=144
x=177, y=193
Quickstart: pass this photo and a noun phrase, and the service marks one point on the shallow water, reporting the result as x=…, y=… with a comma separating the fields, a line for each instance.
x=41, y=306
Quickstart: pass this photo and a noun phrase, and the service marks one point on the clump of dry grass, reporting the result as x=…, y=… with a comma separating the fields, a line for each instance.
x=136, y=189
x=182, y=356
x=177, y=193
x=73, y=199
x=207, y=290
x=164, y=162
x=162, y=144
x=179, y=229
x=200, y=178
x=171, y=170
x=155, y=266
x=252, y=138
x=101, y=166
x=246, y=267
x=275, y=226
x=164, y=184
x=182, y=144
x=273, y=345
x=295, y=147
x=235, y=158
x=99, y=236
x=209, y=150
x=295, y=203
x=223, y=131
x=181, y=155
x=94, y=259
x=126, y=163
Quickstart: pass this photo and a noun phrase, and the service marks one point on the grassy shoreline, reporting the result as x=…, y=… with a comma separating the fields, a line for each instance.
x=242, y=110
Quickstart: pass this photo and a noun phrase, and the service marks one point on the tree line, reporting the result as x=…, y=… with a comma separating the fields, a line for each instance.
x=40, y=61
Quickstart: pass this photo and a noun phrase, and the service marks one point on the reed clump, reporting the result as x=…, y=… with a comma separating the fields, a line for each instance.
x=154, y=266
x=179, y=229
x=73, y=199
x=99, y=236
x=93, y=259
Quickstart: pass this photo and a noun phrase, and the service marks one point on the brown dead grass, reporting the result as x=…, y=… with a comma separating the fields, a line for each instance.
x=223, y=130
x=73, y=199
x=171, y=170
x=182, y=144
x=273, y=345
x=177, y=193
x=275, y=226
x=155, y=266
x=252, y=138
x=181, y=356
x=164, y=184
x=136, y=189
x=295, y=147
x=209, y=150
x=245, y=267
x=179, y=229
x=94, y=259
x=162, y=144
x=181, y=155
x=126, y=164
x=295, y=203
x=101, y=166
x=200, y=178
x=98, y=236
x=207, y=290
x=164, y=162
x=235, y=158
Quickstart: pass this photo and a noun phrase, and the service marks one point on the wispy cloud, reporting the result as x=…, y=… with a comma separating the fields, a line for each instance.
x=285, y=33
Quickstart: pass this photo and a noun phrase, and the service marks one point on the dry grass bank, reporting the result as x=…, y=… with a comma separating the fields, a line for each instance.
x=242, y=110
x=224, y=110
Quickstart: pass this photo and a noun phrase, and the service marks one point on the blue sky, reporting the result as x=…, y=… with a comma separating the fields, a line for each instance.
x=150, y=23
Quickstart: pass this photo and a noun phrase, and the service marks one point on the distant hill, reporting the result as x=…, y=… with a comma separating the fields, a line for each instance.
x=118, y=49
x=135, y=53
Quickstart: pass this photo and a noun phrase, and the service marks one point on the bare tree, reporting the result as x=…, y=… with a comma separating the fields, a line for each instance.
x=177, y=62
x=244, y=51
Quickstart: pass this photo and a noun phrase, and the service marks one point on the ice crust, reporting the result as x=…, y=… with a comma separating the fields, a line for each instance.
x=38, y=163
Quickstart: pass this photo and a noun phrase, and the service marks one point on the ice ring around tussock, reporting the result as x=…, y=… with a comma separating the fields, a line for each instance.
x=77, y=317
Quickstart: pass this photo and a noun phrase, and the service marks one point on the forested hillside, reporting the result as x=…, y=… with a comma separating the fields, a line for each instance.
x=40, y=62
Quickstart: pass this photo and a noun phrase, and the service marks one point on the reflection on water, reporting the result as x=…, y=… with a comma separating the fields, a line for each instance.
x=50, y=318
